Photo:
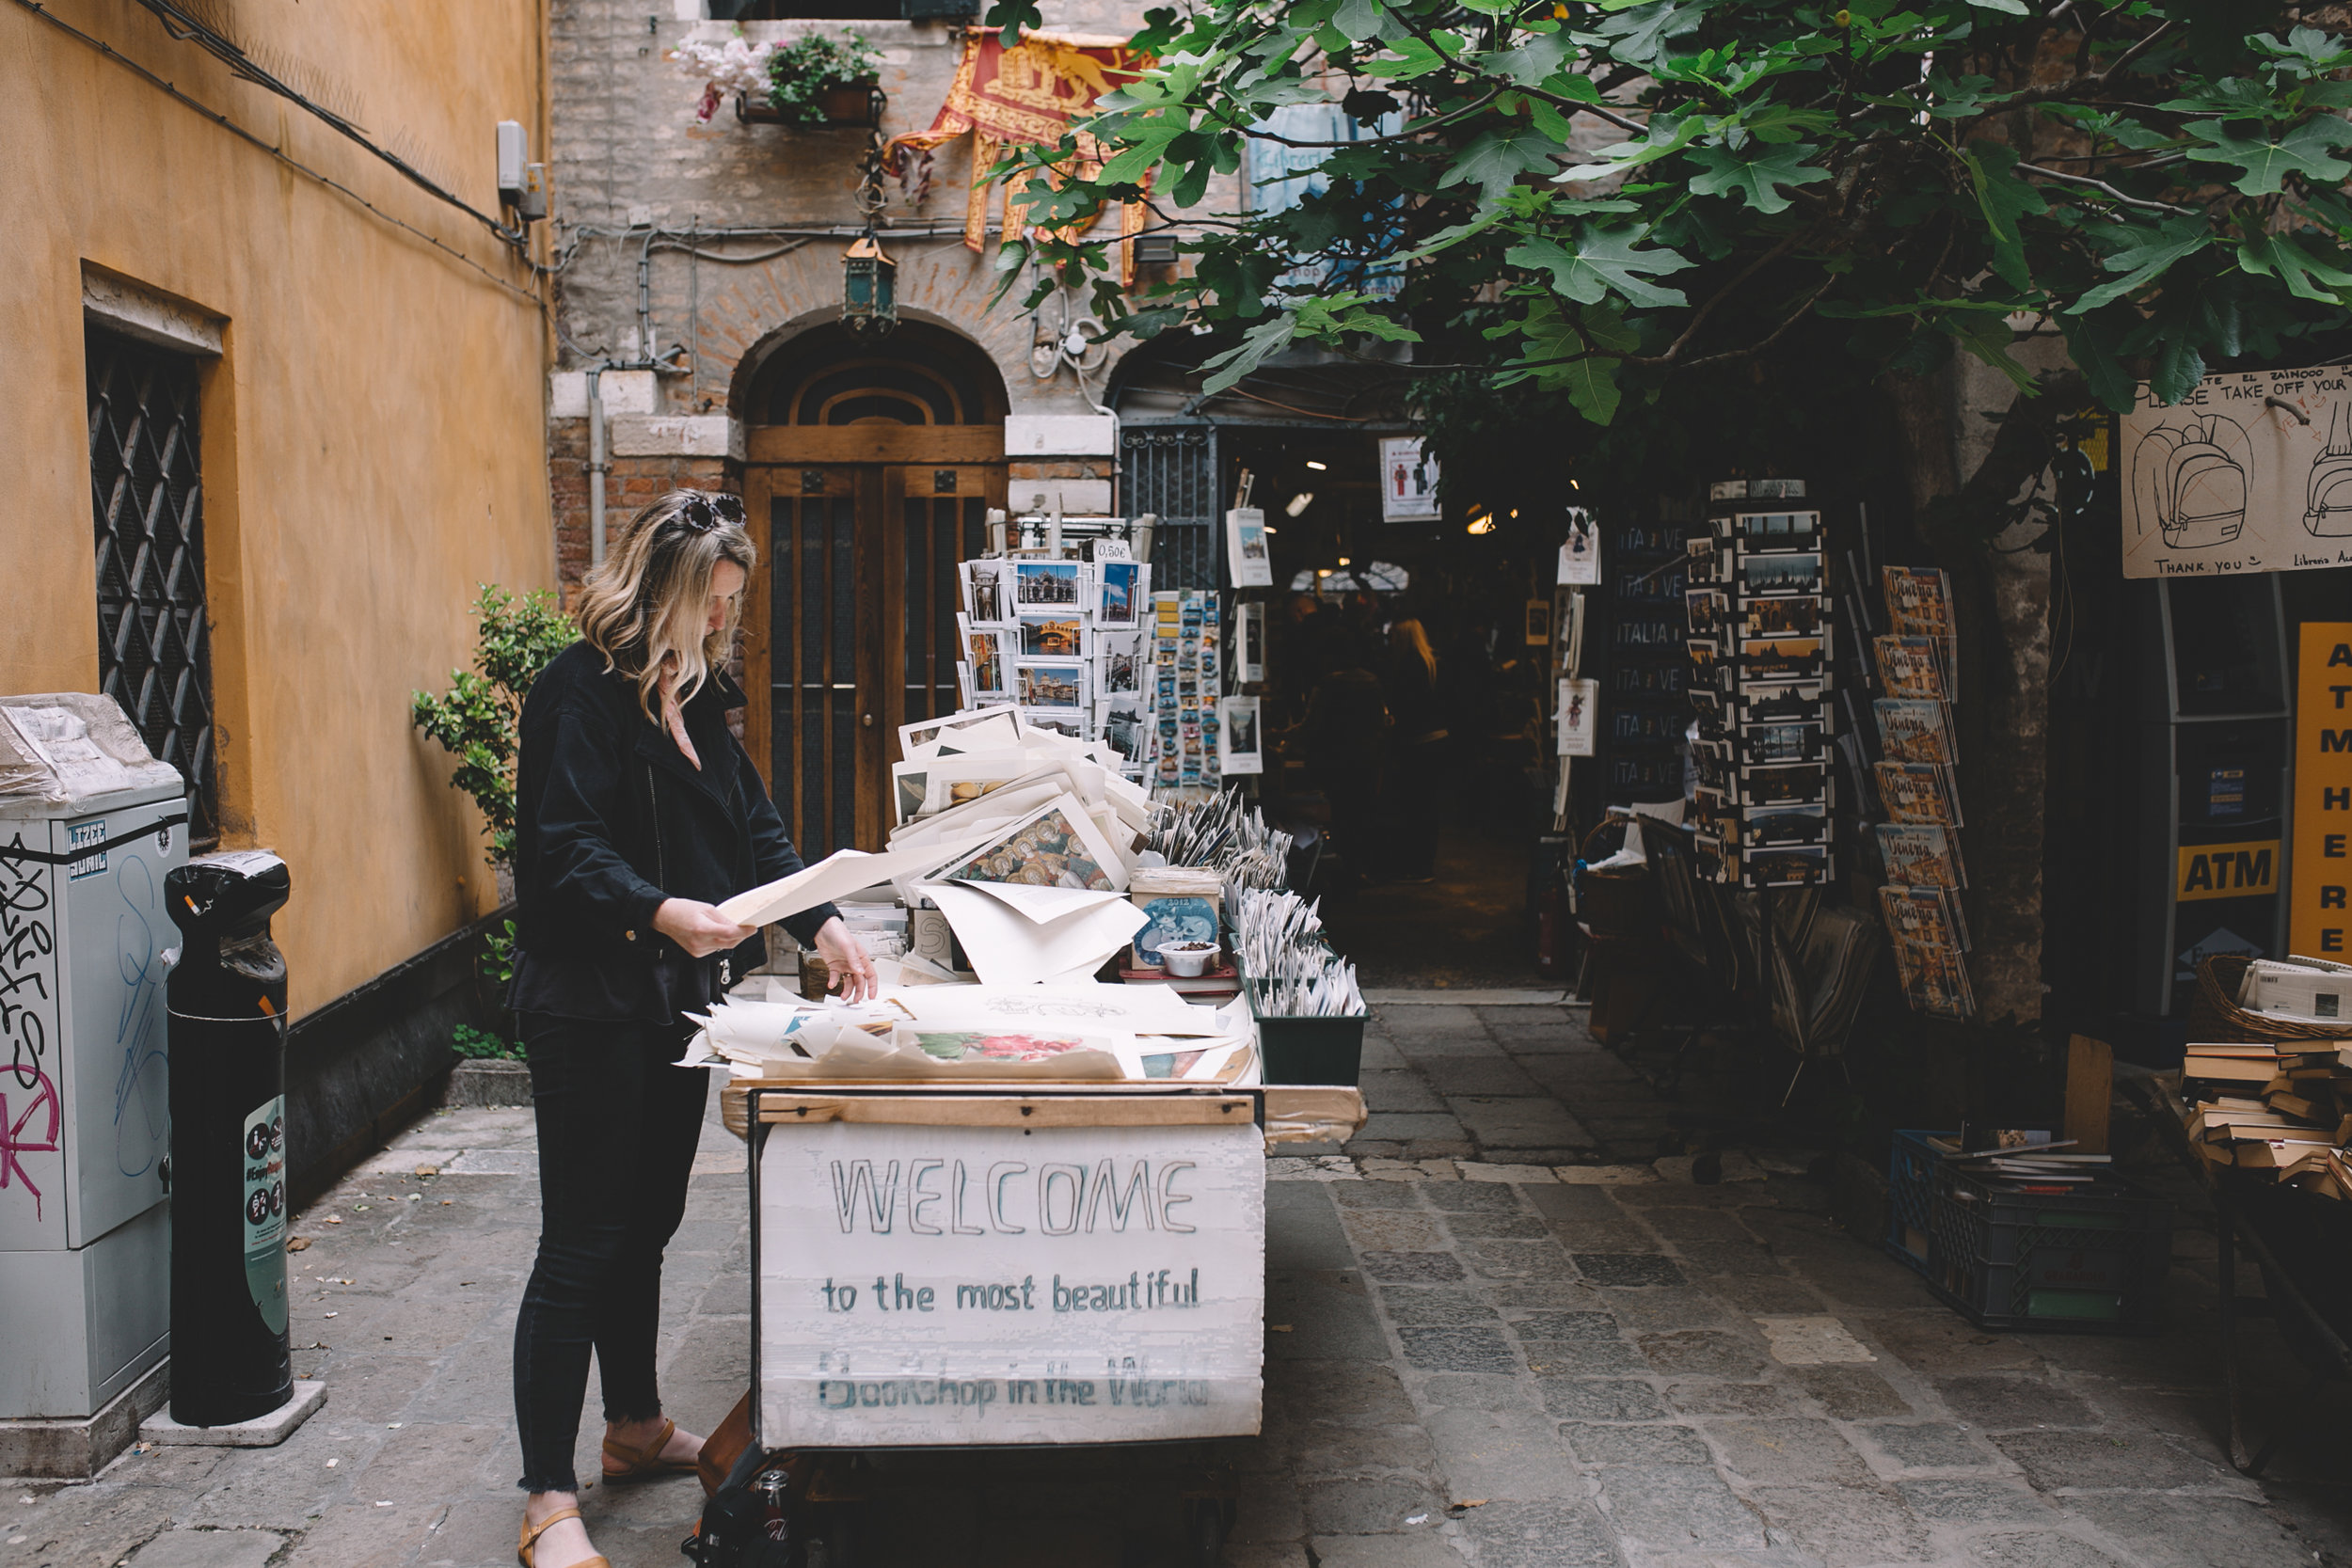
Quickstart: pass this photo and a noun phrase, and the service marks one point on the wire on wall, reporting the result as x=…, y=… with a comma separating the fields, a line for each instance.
x=277, y=153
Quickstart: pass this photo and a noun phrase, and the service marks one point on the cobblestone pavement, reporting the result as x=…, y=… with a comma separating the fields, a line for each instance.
x=1502, y=1333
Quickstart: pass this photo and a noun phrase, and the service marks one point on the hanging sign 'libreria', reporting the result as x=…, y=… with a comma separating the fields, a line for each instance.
x=2251, y=472
x=950, y=1285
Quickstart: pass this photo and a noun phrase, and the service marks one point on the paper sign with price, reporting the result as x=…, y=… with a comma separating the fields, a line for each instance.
x=924, y=1285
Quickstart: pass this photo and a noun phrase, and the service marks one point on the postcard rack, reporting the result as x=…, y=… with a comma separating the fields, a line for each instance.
x=1919, y=841
x=1761, y=638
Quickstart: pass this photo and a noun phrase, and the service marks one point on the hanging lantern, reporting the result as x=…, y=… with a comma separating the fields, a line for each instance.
x=869, y=289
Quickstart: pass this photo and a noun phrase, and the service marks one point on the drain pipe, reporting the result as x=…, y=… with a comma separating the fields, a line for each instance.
x=597, y=464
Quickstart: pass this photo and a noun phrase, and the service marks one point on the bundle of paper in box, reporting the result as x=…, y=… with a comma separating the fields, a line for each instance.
x=2282, y=1109
x=1061, y=1034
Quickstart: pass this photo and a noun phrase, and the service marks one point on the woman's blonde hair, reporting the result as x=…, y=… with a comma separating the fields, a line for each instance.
x=644, y=608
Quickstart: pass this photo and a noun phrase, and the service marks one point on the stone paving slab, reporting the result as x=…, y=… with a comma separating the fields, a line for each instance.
x=1475, y=1360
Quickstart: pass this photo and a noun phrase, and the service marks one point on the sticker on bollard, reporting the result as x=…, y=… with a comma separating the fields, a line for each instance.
x=265, y=1210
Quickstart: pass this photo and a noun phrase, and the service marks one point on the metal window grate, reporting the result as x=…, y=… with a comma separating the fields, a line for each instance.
x=155, y=653
x=1172, y=470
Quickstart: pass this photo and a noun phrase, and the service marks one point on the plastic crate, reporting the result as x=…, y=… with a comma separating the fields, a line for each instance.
x=1308, y=1050
x=2084, y=1262
x=1911, y=1197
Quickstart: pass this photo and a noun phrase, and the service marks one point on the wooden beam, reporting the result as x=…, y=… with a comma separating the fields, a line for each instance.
x=943, y=444
x=2089, y=1087
x=910, y=1110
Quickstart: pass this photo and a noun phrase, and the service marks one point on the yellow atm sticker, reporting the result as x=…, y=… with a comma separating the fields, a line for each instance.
x=2227, y=870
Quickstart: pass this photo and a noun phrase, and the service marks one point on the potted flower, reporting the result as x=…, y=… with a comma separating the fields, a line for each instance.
x=822, y=80
x=816, y=79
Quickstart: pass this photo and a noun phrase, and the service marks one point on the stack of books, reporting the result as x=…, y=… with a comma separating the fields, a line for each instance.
x=2284, y=1109
x=1219, y=984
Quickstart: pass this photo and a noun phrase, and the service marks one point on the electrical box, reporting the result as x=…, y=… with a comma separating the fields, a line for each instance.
x=89, y=825
x=513, y=157
x=534, y=205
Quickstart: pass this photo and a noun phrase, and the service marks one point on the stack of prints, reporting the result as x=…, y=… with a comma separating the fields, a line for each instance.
x=1760, y=630
x=1062, y=641
x=1918, y=751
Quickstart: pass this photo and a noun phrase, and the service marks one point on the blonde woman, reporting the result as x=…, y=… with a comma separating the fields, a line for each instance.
x=637, y=811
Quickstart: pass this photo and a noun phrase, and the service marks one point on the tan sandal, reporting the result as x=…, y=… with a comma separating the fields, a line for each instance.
x=530, y=1539
x=646, y=1463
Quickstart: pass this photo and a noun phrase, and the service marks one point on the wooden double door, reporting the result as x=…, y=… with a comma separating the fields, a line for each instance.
x=849, y=629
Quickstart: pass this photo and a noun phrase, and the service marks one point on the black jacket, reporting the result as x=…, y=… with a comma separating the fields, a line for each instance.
x=611, y=819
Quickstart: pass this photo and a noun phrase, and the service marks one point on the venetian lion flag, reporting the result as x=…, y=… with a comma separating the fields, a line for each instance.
x=1025, y=96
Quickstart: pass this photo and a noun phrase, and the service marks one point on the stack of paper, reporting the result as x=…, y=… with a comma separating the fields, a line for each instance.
x=1058, y=1032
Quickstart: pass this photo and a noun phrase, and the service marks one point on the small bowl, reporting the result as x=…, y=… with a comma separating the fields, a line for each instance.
x=1187, y=960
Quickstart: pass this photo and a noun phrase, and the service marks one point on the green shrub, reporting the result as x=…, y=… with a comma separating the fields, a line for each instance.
x=478, y=719
x=479, y=1045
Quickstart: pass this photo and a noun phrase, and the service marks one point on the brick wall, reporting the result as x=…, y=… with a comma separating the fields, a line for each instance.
x=633, y=483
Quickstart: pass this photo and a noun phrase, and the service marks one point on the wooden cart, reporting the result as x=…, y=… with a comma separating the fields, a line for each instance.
x=945, y=1277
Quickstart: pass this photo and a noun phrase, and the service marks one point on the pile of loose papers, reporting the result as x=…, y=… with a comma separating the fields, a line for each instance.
x=1022, y=838
x=1069, y=1032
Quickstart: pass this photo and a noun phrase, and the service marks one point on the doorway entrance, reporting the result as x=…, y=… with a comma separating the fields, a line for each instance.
x=873, y=468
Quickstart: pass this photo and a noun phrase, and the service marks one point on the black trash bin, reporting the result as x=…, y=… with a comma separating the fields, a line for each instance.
x=227, y=997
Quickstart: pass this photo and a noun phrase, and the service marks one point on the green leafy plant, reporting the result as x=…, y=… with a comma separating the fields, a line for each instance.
x=801, y=72
x=1605, y=201
x=480, y=1045
x=478, y=719
x=497, y=954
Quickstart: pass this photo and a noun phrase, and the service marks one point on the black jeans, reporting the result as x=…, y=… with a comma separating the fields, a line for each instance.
x=618, y=1130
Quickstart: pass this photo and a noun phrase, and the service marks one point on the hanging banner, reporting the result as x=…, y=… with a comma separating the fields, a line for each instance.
x=1024, y=96
x=2319, y=881
x=2251, y=472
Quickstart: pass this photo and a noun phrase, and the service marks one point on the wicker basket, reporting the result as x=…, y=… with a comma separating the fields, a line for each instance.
x=2214, y=1017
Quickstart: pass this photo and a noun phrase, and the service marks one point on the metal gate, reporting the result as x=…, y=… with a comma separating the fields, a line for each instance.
x=155, y=650
x=1173, y=469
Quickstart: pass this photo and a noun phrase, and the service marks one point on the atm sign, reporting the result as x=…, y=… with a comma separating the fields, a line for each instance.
x=2227, y=870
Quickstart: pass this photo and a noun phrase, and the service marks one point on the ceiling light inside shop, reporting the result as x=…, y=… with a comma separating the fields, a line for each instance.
x=1482, y=523
x=1346, y=561
x=1299, y=502
x=1316, y=466
x=1323, y=571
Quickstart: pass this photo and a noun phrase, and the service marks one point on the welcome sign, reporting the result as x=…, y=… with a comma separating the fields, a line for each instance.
x=925, y=1285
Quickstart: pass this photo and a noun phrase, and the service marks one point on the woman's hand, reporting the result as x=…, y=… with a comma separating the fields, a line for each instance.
x=847, y=969
x=699, y=928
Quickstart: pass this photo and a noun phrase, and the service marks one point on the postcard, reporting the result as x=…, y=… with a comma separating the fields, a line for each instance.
x=1239, y=753
x=1778, y=531
x=1119, y=663
x=1911, y=667
x=1786, y=865
x=1768, y=745
x=1795, y=824
x=1579, y=717
x=1758, y=574
x=1919, y=792
x=1921, y=855
x=1050, y=684
x=1249, y=643
x=1926, y=915
x=966, y=731
x=1052, y=636
x=1800, y=701
x=1785, y=785
x=1915, y=729
x=984, y=653
x=1046, y=582
x=1246, y=547
x=1918, y=601
x=1782, y=658
x=1705, y=609
x=1797, y=615
x=1055, y=719
x=1579, y=553
x=985, y=598
x=1119, y=593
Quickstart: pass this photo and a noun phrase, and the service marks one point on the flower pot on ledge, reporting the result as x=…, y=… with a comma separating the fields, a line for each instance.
x=841, y=103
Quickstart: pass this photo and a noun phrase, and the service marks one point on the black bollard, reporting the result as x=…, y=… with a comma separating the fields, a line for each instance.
x=227, y=997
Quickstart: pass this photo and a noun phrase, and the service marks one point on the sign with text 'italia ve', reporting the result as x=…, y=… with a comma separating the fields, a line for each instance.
x=2318, y=887
x=950, y=1285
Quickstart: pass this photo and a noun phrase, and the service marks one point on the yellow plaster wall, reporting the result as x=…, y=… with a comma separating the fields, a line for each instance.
x=373, y=435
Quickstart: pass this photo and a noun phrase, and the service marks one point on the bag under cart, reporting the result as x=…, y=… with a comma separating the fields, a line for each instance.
x=946, y=1278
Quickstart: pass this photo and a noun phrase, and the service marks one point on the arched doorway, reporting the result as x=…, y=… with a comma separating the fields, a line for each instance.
x=873, y=467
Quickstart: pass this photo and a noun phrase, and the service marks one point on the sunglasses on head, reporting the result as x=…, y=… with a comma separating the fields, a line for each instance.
x=705, y=512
